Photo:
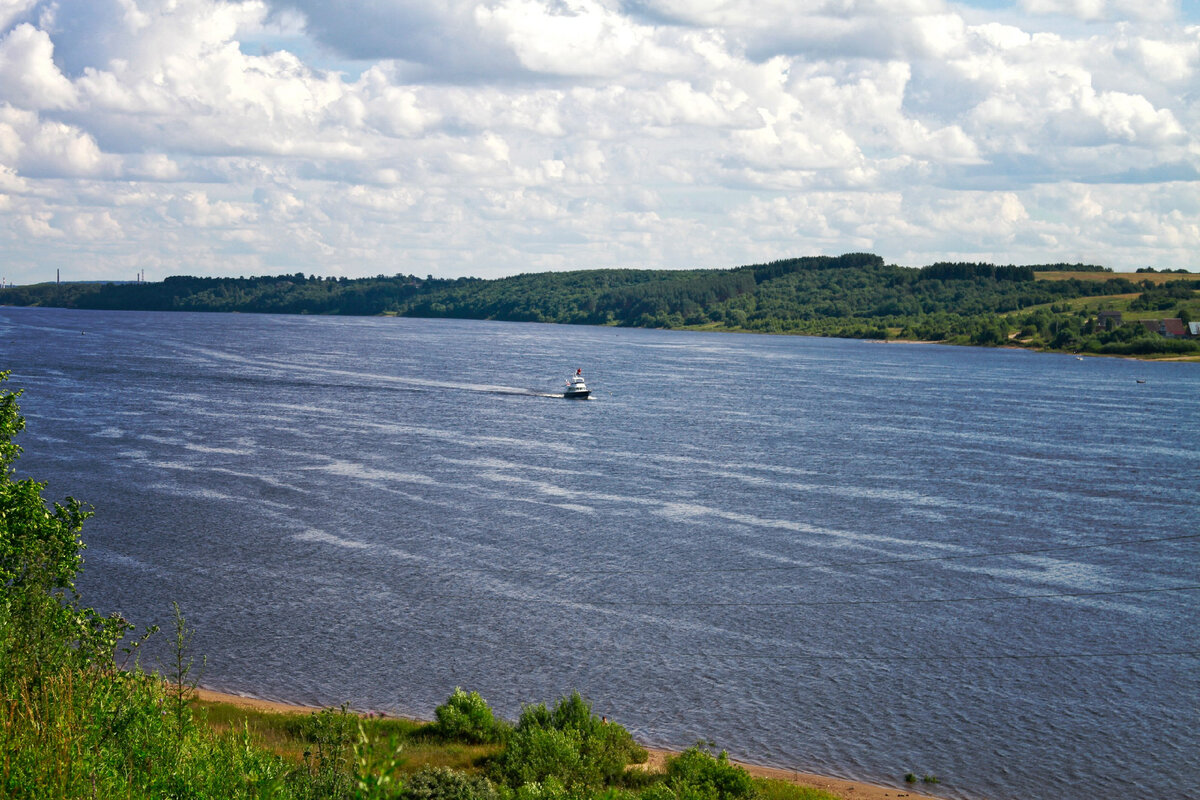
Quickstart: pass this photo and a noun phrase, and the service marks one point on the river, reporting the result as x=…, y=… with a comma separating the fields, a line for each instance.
x=848, y=557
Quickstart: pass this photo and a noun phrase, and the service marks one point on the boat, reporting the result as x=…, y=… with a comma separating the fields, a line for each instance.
x=576, y=388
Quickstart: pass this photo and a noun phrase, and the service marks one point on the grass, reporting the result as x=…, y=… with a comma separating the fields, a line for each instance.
x=283, y=733
x=1105, y=302
x=1102, y=302
x=218, y=750
x=773, y=789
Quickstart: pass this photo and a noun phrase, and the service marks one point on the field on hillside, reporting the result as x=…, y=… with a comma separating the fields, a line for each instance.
x=1157, y=278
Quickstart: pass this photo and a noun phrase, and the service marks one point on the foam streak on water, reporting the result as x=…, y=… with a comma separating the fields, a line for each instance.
x=375, y=511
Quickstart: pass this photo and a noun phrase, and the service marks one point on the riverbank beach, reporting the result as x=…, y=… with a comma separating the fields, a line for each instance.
x=850, y=790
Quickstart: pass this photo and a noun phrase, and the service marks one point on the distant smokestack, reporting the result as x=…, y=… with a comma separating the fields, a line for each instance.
x=58, y=276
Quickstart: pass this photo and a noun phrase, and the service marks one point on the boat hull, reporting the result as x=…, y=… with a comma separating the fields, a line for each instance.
x=570, y=395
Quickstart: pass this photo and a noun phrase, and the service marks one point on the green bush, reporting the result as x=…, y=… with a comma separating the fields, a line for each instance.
x=567, y=743
x=442, y=783
x=330, y=735
x=638, y=779
x=539, y=755
x=549, y=789
x=696, y=774
x=466, y=717
x=1151, y=345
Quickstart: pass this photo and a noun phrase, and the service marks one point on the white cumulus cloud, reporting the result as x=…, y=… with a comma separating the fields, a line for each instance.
x=494, y=136
x=28, y=75
x=1104, y=9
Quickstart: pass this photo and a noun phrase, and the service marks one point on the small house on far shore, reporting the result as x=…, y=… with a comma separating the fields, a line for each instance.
x=1172, y=328
x=1108, y=320
x=1194, y=329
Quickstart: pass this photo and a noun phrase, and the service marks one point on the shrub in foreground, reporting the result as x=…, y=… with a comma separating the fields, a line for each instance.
x=441, y=783
x=696, y=774
x=466, y=717
x=568, y=744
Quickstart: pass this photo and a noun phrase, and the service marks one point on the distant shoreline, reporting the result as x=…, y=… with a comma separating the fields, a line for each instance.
x=849, y=790
x=853, y=296
x=1192, y=358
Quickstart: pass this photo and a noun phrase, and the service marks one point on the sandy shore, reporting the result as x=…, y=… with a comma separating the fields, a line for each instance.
x=850, y=790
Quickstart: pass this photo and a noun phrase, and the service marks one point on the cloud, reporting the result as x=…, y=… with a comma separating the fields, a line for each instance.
x=38, y=148
x=87, y=226
x=441, y=36
x=493, y=136
x=152, y=167
x=391, y=109
x=10, y=182
x=584, y=38
x=1168, y=62
x=196, y=209
x=1092, y=10
x=29, y=77
x=145, y=34
x=38, y=226
x=870, y=29
x=13, y=10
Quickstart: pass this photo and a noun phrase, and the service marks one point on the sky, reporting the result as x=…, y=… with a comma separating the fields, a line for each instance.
x=496, y=137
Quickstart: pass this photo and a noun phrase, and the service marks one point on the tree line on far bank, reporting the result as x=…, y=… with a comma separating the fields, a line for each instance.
x=855, y=295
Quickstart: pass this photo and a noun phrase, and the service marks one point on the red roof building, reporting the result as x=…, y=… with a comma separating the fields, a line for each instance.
x=1174, y=328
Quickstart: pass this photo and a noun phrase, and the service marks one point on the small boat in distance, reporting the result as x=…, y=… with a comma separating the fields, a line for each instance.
x=576, y=388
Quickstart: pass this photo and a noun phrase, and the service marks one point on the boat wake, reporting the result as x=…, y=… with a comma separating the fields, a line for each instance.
x=518, y=392
x=575, y=389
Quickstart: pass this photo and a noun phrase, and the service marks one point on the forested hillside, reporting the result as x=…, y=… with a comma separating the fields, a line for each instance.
x=853, y=295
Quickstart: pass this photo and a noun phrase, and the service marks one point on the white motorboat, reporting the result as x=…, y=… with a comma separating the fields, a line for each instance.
x=576, y=388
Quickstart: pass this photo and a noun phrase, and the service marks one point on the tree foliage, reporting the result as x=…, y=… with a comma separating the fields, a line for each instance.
x=39, y=543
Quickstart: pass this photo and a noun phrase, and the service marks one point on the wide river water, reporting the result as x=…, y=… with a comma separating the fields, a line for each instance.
x=847, y=557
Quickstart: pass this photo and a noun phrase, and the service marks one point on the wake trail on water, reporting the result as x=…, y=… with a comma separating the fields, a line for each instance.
x=515, y=391
x=392, y=381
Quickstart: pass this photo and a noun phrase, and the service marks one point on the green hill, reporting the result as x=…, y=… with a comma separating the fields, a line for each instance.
x=852, y=295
